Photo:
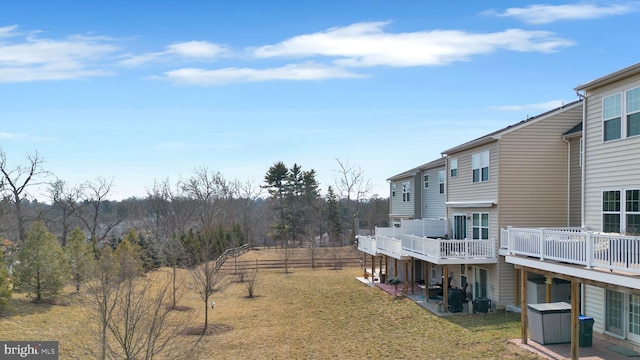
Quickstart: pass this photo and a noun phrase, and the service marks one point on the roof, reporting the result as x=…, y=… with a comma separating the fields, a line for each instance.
x=411, y=172
x=610, y=78
x=496, y=134
x=574, y=130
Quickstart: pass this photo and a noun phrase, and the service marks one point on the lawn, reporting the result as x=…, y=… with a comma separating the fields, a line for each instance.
x=304, y=314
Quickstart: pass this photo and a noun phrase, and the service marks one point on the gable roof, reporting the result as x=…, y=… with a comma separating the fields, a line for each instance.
x=409, y=173
x=494, y=136
x=610, y=78
x=574, y=130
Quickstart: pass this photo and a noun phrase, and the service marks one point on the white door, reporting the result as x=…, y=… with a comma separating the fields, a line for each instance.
x=459, y=227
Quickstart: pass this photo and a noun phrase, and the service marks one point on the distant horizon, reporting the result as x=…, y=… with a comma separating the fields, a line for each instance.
x=141, y=94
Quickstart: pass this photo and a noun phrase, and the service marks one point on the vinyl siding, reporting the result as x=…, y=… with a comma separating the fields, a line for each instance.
x=462, y=187
x=611, y=165
x=575, y=183
x=432, y=200
x=534, y=172
x=506, y=282
x=399, y=207
x=594, y=306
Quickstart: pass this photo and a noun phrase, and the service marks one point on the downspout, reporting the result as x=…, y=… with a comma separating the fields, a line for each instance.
x=583, y=153
x=583, y=161
x=568, y=180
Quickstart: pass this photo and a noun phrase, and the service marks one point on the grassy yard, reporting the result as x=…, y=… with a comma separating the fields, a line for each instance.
x=305, y=314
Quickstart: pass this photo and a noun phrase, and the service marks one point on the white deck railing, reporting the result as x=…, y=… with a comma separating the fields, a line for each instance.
x=367, y=244
x=608, y=251
x=390, y=246
x=444, y=248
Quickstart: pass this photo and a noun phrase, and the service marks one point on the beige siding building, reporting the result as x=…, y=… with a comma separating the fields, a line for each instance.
x=518, y=175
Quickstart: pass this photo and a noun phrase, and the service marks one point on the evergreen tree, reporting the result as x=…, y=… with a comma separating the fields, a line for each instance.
x=5, y=286
x=79, y=256
x=333, y=215
x=43, y=267
x=276, y=179
x=129, y=256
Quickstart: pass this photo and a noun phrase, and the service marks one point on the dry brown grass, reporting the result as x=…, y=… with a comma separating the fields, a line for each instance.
x=306, y=314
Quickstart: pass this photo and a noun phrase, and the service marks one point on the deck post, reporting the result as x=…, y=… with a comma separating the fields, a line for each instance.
x=413, y=273
x=380, y=267
x=523, y=306
x=364, y=264
x=445, y=289
x=395, y=267
x=548, y=281
x=575, y=329
x=373, y=268
x=426, y=266
x=386, y=266
x=405, y=288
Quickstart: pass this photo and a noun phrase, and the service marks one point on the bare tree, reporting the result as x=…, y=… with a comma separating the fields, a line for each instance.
x=207, y=277
x=248, y=192
x=92, y=210
x=251, y=281
x=353, y=187
x=206, y=188
x=64, y=199
x=17, y=179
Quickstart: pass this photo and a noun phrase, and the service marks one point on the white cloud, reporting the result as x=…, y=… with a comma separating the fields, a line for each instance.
x=305, y=71
x=190, y=50
x=544, y=14
x=33, y=59
x=544, y=106
x=366, y=44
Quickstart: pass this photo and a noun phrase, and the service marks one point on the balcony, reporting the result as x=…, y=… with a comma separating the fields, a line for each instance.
x=600, y=251
x=445, y=251
x=367, y=244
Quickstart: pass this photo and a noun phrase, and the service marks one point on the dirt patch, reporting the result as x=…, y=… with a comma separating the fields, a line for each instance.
x=212, y=329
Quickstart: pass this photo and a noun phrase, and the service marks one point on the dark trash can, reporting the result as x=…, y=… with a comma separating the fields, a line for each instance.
x=586, y=330
x=456, y=298
x=482, y=305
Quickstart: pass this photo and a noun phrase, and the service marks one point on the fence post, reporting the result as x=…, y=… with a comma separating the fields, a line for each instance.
x=466, y=248
x=589, y=248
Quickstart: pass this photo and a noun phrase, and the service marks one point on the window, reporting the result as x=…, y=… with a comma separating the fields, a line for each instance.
x=611, y=211
x=406, y=191
x=480, y=226
x=453, y=166
x=611, y=112
x=425, y=179
x=480, y=166
x=633, y=112
x=441, y=181
x=632, y=212
x=393, y=189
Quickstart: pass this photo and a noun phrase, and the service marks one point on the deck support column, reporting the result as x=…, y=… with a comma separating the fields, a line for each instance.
x=413, y=273
x=373, y=268
x=364, y=264
x=445, y=289
x=380, y=267
x=395, y=267
x=386, y=265
x=575, y=325
x=523, y=307
x=426, y=266
x=405, y=288
x=548, y=281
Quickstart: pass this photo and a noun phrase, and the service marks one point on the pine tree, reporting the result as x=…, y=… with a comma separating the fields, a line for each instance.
x=43, y=266
x=5, y=286
x=79, y=256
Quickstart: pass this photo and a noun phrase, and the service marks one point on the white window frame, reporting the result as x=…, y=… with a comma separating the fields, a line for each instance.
x=628, y=111
x=393, y=189
x=480, y=162
x=479, y=226
x=612, y=111
x=619, y=213
x=441, y=181
x=425, y=180
x=406, y=191
x=453, y=167
x=625, y=210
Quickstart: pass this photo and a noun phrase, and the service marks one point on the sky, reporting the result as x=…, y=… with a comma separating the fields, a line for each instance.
x=145, y=91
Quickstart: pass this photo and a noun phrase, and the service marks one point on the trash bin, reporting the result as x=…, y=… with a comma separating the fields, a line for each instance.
x=482, y=305
x=586, y=330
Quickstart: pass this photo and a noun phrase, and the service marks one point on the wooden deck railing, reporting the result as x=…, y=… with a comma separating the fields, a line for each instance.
x=608, y=251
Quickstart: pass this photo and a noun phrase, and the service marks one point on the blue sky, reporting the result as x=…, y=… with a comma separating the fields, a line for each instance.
x=138, y=91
